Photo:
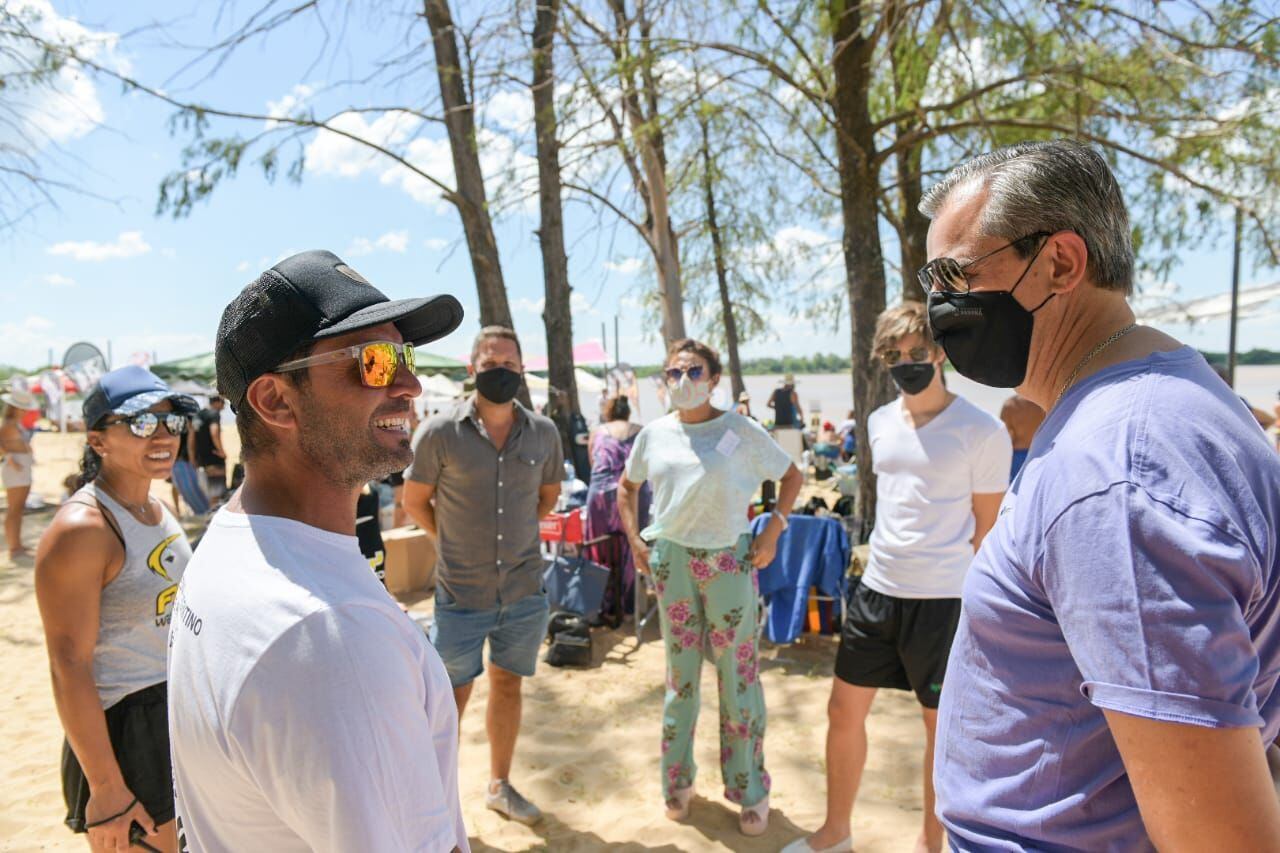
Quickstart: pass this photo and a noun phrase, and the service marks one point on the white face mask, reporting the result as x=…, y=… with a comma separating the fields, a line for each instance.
x=688, y=394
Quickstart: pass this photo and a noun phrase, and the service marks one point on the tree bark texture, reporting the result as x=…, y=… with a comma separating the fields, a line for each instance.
x=864, y=263
x=915, y=225
x=722, y=274
x=556, y=313
x=469, y=192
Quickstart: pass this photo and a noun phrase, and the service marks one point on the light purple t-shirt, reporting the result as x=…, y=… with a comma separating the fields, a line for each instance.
x=1135, y=567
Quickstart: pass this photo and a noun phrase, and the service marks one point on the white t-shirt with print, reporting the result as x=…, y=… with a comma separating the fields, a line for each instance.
x=306, y=710
x=703, y=476
x=926, y=478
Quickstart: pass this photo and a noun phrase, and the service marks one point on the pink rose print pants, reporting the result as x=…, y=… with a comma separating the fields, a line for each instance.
x=708, y=606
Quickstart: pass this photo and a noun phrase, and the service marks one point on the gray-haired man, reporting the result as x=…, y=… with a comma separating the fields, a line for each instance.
x=1113, y=681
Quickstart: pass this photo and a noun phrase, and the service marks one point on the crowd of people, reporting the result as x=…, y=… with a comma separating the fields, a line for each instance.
x=1086, y=609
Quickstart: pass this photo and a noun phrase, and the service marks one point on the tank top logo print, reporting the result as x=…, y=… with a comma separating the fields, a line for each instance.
x=159, y=561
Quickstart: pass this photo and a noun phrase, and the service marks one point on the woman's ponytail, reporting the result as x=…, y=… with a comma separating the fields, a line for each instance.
x=90, y=467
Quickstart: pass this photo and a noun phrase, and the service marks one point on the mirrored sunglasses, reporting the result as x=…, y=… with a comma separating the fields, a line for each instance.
x=674, y=373
x=379, y=361
x=145, y=424
x=893, y=356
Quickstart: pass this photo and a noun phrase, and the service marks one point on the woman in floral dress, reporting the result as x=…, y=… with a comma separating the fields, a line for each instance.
x=704, y=466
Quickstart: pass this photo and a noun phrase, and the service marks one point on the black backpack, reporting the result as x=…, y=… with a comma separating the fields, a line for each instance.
x=570, y=638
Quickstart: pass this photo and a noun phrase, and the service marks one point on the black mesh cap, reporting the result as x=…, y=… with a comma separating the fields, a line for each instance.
x=308, y=297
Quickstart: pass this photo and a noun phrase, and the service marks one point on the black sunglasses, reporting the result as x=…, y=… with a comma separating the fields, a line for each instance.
x=948, y=275
x=674, y=373
x=145, y=424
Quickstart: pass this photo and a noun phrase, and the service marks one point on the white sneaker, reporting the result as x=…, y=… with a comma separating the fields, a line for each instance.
x=802, y=845
x=511, y=804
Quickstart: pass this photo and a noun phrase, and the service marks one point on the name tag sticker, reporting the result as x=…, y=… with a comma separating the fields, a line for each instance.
x=728, y=443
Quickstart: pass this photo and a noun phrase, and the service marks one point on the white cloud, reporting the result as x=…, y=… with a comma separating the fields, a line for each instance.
x=392, y=241
x=578, y=305
x=54, y=279
x=26, y=342
x=289, y=103
x=129, y=244
x=511, y=110
x=626, y=266
x=243, y=266
x=435, y=244
x=529, y=306
x=66, y=105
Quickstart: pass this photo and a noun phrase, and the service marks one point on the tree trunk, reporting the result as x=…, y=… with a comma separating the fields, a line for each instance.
x=647, y=136
x=722, y=274
x=915, y=225
x=864, y=262
x=556, y=314
x=469, y=192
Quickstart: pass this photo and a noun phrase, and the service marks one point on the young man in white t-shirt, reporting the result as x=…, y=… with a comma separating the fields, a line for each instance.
x=306, y=711
x=942, y=466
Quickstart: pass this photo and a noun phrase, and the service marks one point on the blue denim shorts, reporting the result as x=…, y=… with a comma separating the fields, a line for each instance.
x=515, y=632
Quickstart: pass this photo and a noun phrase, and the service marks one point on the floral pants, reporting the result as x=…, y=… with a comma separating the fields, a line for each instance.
x=708, y=605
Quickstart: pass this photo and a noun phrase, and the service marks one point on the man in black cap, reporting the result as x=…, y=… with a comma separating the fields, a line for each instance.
x=308, y=711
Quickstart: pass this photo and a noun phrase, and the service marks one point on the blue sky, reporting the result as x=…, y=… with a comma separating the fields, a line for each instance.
x=108, y=269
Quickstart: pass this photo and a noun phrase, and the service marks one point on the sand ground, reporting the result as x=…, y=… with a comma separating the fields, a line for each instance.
x=588, y=752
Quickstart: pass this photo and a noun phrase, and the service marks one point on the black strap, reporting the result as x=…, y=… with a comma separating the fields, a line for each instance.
x=115, y=816
x=106, y=513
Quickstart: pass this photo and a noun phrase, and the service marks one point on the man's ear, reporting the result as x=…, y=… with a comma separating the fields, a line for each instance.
x=1068, y=261
x=272, y=399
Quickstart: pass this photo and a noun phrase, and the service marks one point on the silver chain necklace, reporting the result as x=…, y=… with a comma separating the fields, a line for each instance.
x=136, y=509
x=1093, y=352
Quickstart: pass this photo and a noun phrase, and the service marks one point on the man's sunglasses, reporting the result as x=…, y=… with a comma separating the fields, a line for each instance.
x=674, y=373
x=378, y=361
x=893, y=356
x=948, y=275
x=145, y=424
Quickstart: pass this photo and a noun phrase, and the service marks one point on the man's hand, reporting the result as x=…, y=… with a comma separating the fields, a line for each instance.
x=640, y=554
x=108, y=815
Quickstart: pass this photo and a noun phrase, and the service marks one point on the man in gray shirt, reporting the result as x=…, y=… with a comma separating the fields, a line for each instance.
x=482, y=476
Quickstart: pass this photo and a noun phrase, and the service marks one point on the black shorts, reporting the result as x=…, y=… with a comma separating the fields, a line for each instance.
x=138, y=726
x=901, y=643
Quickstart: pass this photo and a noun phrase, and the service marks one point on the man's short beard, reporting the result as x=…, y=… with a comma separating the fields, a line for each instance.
x=344, y=450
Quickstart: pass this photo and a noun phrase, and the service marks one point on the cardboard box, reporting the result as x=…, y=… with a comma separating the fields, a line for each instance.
x=410, y=559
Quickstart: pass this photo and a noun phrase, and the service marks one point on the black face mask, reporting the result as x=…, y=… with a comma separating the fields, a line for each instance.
x=912, y=377
x=498, y=385
x=986, y=334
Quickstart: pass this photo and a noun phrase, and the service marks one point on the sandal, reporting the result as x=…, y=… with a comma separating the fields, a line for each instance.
x=678, y=803
x=754, y=820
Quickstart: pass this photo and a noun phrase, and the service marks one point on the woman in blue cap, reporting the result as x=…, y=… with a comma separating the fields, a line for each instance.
x=107, y=571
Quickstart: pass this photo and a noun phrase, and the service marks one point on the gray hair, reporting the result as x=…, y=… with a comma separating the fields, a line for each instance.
x=1061, y=185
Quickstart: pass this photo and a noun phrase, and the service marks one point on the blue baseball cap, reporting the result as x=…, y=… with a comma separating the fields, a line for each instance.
x=129, y=390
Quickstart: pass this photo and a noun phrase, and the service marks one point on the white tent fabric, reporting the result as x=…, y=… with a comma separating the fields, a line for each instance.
x=1252, y=301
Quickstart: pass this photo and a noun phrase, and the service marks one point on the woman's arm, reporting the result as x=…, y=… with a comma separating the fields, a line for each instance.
x=76, y=558
x=629, y=514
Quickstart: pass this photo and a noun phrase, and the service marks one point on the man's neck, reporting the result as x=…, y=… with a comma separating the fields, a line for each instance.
x=1091, y=319
x=495, y=414
x=930, y=401
x=290, y=489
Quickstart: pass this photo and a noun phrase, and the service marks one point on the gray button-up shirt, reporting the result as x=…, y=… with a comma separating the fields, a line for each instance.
x=486, y=502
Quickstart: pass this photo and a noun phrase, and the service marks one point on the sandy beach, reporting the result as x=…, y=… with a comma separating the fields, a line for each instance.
x=588, y=751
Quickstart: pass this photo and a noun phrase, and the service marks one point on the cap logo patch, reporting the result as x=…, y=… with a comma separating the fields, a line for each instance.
x=352, y=274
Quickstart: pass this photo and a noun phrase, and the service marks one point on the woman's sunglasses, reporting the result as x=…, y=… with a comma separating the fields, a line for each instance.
x=145, y=424
x=379, y=361
x=893, y=356
x=674, y=373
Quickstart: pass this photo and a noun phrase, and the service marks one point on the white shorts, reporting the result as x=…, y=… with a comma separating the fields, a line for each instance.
x=15, y=470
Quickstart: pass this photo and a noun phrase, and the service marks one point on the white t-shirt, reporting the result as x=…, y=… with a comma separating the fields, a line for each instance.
x=306, y=711
x=926, y=478
x=703, y=476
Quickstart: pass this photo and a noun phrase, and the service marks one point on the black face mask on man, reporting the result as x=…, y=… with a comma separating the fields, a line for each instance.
x=498, y=384
x=986, y=334
x=912, y=377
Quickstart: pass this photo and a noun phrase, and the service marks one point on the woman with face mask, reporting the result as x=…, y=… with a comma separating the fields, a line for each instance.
x=705, y=466
x=107, y=573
